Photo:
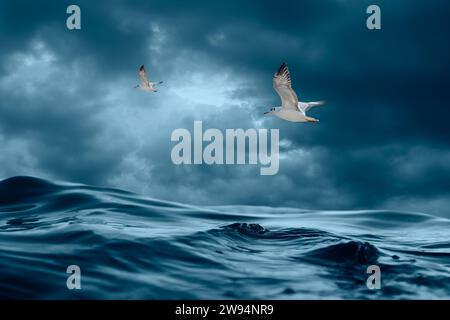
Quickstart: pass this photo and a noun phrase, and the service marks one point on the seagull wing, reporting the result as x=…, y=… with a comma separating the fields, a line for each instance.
x=306, y=106
x=282, y=85
x=143, y=76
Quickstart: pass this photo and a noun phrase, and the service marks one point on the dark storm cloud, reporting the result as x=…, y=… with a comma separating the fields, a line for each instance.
x=60, y=127
x=383, y=137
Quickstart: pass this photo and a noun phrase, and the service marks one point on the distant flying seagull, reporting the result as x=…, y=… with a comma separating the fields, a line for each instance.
x=145, y=84
x=291, y=109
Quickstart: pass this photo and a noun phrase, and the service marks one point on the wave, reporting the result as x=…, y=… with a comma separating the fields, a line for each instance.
x=133, y=247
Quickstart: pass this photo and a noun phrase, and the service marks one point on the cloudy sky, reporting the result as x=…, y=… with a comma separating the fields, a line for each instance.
x=68, y=110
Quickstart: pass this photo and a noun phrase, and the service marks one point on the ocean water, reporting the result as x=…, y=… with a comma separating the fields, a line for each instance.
x=133, y=247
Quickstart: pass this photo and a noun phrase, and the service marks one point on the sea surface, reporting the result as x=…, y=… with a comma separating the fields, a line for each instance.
x=133, y=247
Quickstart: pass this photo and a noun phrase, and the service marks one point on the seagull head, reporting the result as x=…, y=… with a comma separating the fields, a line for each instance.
x=271, y=111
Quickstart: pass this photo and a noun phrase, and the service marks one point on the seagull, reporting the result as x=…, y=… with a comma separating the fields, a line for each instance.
x=291, y=109
x=145, y=84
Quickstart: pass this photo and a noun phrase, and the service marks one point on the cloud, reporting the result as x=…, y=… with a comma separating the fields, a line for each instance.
x=69, y=111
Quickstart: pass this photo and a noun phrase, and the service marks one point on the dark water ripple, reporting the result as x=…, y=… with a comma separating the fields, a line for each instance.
x=131, y=247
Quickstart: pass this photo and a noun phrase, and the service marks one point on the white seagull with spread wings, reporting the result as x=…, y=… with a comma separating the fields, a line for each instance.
x=291, y=109
x=145, y=84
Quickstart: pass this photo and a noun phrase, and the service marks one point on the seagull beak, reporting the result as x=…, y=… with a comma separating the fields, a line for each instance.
x=266, y=112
